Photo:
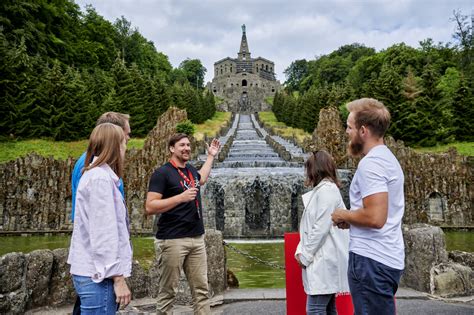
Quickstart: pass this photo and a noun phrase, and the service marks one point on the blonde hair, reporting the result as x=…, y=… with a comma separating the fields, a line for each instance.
x=370, y=113
x=118, y=119
x=105, y=142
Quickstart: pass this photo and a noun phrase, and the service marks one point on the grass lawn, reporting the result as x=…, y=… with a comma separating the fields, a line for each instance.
x=269, y=100
x=464, y=148
x=11, y=150
x=269, y=120
x=211, y=127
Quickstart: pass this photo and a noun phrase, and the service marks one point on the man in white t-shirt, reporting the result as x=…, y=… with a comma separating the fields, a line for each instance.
x=376, y=249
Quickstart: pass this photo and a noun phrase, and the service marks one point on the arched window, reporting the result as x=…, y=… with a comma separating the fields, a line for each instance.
x=266, y=67
x=436, y=206
x=244, y=82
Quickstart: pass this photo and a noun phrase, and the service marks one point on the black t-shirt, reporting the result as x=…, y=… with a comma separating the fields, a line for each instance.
x=184, y=220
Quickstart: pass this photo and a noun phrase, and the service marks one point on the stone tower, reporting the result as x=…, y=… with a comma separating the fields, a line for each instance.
x=244, y=82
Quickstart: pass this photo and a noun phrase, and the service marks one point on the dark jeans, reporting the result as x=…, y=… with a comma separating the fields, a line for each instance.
x=77, y=306
x=373, y=285
x=321, y=304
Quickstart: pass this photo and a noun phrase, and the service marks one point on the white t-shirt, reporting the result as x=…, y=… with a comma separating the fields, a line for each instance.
x=379, y=171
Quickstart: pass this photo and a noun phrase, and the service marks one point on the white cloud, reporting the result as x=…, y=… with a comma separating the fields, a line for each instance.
x=281, y=31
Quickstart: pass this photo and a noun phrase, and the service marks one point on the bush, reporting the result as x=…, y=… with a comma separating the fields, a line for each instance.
x=186, y=127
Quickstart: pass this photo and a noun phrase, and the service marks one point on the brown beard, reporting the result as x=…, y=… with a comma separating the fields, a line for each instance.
x=355, y=146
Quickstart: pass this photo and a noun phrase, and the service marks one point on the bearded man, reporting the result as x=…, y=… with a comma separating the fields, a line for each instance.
x=376, y=248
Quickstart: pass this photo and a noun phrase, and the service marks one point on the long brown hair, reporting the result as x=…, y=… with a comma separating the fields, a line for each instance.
x=105, y=142
x=318, y=166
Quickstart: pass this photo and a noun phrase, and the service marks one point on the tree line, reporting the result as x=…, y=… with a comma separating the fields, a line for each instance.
x=429, y=90
x=61, y=68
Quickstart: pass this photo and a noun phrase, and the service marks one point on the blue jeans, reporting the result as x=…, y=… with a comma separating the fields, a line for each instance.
x=373, y=285
x=96, y=298
x=321, y=304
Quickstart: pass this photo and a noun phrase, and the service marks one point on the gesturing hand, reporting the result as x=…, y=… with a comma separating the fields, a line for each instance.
x=189, y=194
x=213, y=149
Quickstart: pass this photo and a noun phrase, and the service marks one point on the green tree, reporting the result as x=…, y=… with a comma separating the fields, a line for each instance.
x=194, y=72
x=297, y=70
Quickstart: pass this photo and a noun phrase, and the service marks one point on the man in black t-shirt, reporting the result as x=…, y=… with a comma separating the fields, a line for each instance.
x=174, y=192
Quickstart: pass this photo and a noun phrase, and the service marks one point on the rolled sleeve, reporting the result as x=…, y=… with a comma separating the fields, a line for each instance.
x=103, y=227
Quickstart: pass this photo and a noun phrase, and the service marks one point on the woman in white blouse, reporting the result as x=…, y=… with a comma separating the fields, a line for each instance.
x=323, y=249
x=100, y=254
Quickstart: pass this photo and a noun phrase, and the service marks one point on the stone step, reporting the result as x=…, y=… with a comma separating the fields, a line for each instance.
x=256, y=163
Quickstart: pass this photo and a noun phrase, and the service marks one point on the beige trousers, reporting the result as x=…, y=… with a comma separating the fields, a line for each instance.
x=189, y=254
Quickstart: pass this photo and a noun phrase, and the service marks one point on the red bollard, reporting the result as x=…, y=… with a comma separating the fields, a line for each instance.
x=295, y=295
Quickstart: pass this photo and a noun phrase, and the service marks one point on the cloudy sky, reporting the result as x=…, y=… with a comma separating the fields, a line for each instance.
x=281, y=31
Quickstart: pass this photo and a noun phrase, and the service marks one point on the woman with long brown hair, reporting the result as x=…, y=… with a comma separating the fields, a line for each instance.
x=100, y=254
x=323, y=250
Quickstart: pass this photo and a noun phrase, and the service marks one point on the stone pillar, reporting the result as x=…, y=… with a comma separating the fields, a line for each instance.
x=424, y=249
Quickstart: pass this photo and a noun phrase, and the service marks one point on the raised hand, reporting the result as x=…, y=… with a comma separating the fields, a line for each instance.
x=213, y=149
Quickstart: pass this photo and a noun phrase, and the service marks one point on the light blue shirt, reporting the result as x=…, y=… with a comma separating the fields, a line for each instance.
x=76, y=176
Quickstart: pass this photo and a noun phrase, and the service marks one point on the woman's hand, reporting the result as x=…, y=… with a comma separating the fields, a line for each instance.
x=297, y=257
x=122, y=293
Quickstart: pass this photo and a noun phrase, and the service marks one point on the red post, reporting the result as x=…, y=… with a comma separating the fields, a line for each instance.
x=295, y=295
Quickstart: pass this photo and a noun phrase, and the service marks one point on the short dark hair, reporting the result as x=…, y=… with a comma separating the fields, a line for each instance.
x=118, y=119
x=175, y=138
x=370, y=113
x=318, y=166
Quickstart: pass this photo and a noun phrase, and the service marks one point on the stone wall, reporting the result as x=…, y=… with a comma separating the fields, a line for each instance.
x=42, y=278
x=438, y=187
x=430, y=268
x=35, y=191
x=257, y=205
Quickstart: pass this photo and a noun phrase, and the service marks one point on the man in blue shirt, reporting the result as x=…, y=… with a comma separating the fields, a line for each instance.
x=121, y=120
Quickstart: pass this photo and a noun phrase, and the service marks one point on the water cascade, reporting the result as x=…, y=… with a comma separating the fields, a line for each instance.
x=254, y=192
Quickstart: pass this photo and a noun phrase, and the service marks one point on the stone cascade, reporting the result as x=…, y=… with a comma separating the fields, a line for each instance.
x=258, y=202
x=294, y=152
x=249, y=148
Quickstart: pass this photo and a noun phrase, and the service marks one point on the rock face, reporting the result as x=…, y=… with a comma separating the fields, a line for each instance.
x=11, y=272
x=216, y=262
x=12, y=283
x=61, y=289
x=424, y=249
x=138, y=281
x=452, y=279
x=39, y=264
x=463, y=258
x=428, y=267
